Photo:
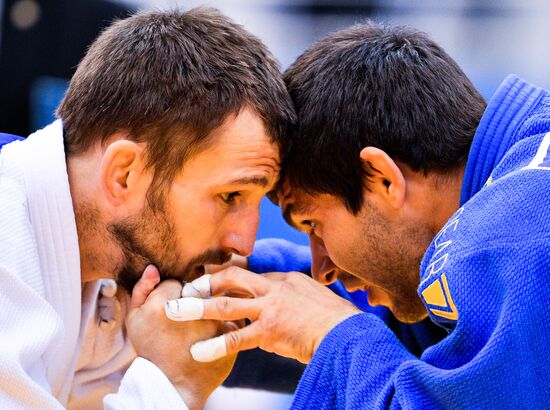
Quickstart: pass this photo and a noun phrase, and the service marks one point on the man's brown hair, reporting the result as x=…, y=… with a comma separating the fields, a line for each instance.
x=168, y=78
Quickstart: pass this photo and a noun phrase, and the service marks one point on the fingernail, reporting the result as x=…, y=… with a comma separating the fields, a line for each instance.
x=209, y=350
x=185, y=309
x=200, y=287
x=150, y=273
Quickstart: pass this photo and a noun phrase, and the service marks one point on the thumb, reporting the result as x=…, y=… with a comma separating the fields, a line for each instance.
x=227, y=344
x=144, y=286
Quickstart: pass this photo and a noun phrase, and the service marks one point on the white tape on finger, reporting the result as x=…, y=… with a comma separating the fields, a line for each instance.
x=199, y=288
x=189, y=291
x=185, y=309
x=209, y=350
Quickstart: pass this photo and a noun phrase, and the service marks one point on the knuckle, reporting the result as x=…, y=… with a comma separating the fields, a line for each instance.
x=169, y=289
x=280, y=306
x=294, y=277
x=232, y=276
x=232, y=270
x=283, y=286
x=223, y=306
x=232, y=341
x=269, y=325
x=228, y=275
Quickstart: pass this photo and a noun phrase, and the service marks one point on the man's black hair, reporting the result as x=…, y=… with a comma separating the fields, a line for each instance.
x=373, y=85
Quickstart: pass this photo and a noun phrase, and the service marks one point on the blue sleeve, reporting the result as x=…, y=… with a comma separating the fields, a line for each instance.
x=353, y=367
x=497, y=356
x=7, y=138
x=279, y=255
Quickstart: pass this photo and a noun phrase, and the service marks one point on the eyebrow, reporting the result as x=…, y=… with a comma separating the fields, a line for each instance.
x=296, y=209
x=255, y=180
x=287, y=211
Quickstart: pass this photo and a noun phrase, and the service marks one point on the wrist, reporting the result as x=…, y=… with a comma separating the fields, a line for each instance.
x=331, y=324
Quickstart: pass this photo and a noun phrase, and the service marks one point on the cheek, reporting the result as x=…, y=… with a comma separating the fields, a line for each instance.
x=195, y=224
x=345, y=250
x=337, y=248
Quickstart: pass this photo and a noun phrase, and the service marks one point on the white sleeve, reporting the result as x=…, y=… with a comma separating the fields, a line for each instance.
x=144, y=386
x=29, y=326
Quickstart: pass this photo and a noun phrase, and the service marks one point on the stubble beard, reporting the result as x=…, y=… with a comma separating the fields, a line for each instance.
x=150, y=238
x=391, y=257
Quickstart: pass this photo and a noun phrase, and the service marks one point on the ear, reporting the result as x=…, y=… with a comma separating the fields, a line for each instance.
x=388, y=180
x=120, y=170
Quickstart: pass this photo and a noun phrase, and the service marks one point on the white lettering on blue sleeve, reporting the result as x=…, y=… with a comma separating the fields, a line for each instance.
x=542, y=158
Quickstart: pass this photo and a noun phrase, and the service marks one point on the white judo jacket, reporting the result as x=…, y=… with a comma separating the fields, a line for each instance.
x=55, y=351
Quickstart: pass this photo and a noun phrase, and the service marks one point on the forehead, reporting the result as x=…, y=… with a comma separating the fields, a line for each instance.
x=239, y=148
x=296, y=204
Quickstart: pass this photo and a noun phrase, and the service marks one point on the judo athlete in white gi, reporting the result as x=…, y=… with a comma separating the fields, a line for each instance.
x=168, y=137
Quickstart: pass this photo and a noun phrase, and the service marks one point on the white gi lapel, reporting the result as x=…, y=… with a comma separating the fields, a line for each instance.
x=52, y=218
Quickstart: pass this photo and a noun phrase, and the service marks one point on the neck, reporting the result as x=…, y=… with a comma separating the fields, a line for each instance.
x=446, y=192
x=98, y=255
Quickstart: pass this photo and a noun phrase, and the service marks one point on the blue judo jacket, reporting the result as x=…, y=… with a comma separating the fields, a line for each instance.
x=484, y=279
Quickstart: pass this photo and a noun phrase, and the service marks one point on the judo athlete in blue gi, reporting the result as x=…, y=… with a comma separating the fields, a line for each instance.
x=415, y=192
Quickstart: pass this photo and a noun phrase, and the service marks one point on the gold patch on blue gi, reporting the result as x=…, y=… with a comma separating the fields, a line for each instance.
x=439, y=299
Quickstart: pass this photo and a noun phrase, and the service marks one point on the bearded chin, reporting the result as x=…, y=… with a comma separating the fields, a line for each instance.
x=137, y=238
x=134, y=261
x=131, y=272
x=160, y=250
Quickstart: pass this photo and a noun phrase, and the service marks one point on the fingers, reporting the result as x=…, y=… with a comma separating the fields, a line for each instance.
x=230, y=343
x=199, y=288
x=277, y=275
x=166, y=290
x=144, y=286
x=236, y=260
x=185, y=309
x=232, y=280
x=230, y=326
x=222, y=308
x=209, y=350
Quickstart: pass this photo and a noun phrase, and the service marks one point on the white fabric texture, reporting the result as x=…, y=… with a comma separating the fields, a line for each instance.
x=55, y=350
x=141, y=379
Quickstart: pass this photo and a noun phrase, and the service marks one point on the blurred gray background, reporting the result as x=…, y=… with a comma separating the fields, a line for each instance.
x=487, y=38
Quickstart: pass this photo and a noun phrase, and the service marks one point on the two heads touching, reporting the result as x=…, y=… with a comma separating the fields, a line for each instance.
x=176, y=125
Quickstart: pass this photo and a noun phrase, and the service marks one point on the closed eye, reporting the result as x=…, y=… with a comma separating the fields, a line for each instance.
x=310, y=226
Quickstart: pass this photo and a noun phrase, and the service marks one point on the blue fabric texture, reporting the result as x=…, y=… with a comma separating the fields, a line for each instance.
x=484, y=278
x=279, y=255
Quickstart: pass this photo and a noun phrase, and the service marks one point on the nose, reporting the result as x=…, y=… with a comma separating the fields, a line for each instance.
x=240, y=236
x=323, y=268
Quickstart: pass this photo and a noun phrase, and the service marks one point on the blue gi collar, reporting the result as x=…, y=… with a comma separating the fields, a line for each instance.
x=497, y=131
